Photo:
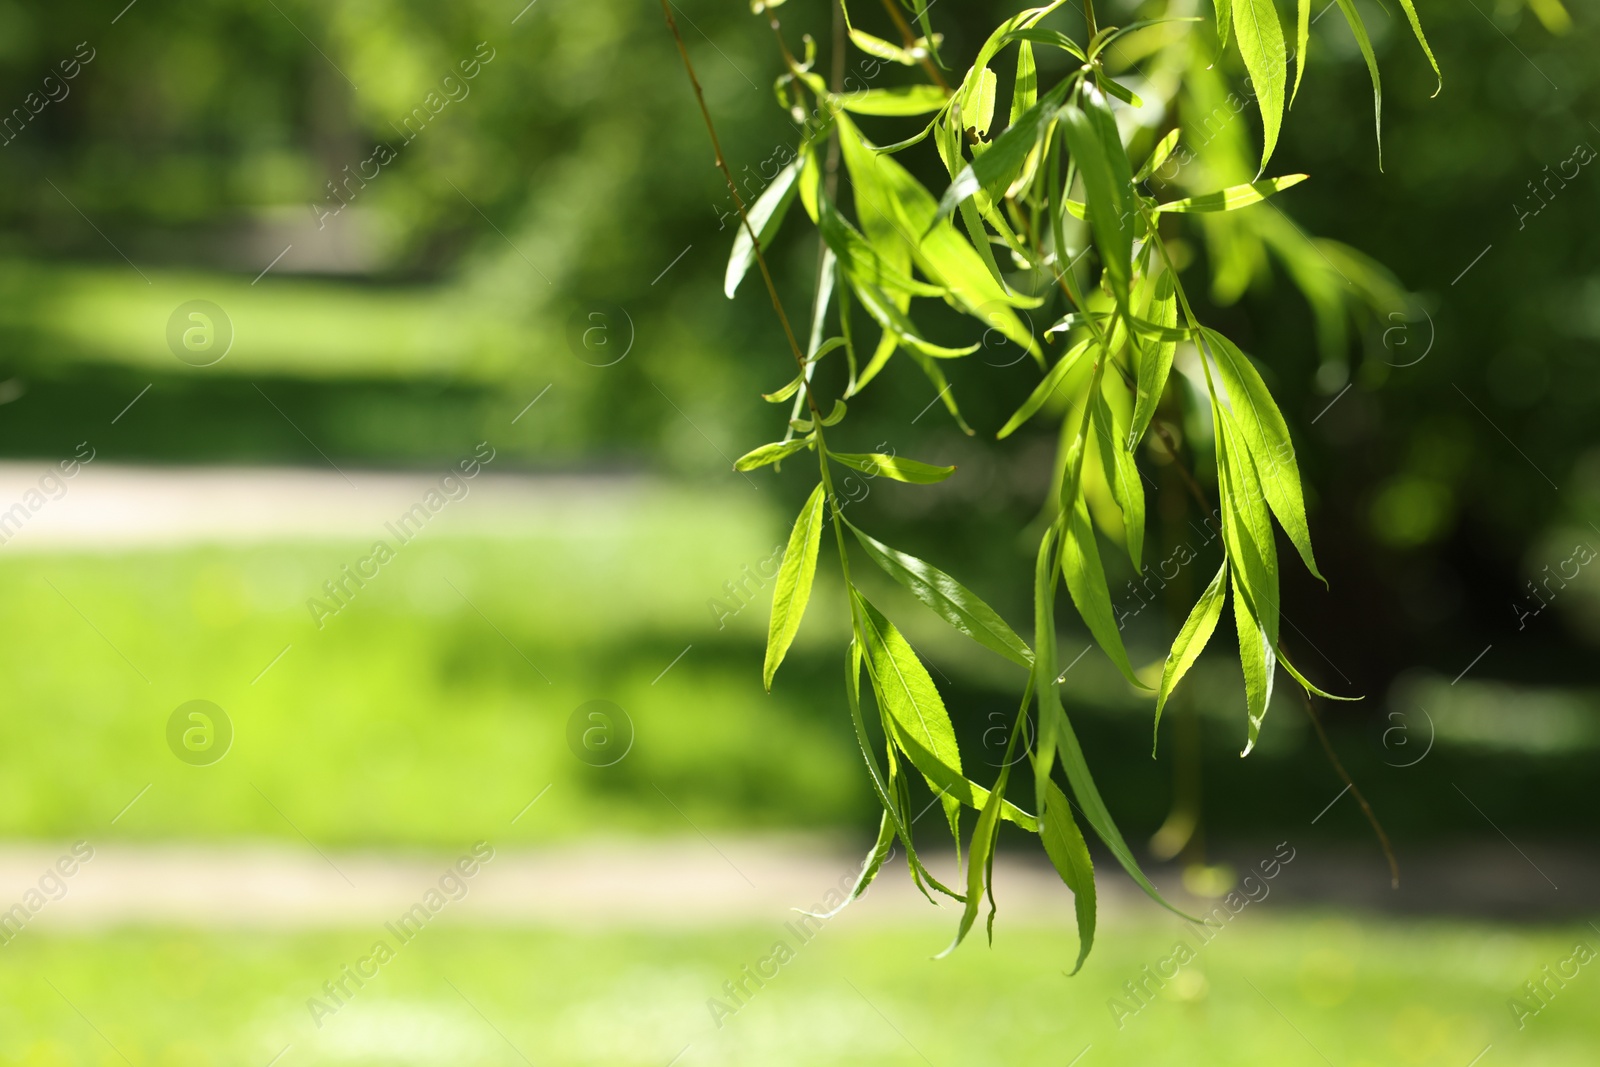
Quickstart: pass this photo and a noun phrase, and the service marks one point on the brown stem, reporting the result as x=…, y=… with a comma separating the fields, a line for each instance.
x=1377, y=827
x=738, y=202
x=910, y=40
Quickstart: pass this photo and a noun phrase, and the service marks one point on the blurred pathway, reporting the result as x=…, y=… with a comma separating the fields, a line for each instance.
x=117, y=507
x=689, y=883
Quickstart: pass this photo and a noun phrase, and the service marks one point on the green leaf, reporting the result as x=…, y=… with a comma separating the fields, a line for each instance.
x=1069, y=853
x=833, y=417
x=1348, y=9
x=1260, y=36
x=869, y=867
x=977, y=105
x=886, y=788
x=1095, y=810
x=1234, y=197
x=1092, y=138
x=1025, y=86
x=995, y=170
x=1158, y=156
x=884, y=187
x=793, y=588
x=1155, y=361
x=1122, y=475
x=1302, y=44
x=1267, y=437
x=1224, y=20
x=770, y=453
x=950, y=600
x=900, y=100
x=1055, y=730
x=1086, y=581
x=1191, y=641
x=901, y=470
x=980, y=858
x=1416, y=29
x=916, y=714
x=766, y=215
x=1043, y=391
x=943, y=393
x=1052, y=38
x=1247, y=534
x=1307, y=686
x=877, y=46
x=1121, y=92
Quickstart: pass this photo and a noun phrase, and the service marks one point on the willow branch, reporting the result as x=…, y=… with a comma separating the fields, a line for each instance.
x=738, y=202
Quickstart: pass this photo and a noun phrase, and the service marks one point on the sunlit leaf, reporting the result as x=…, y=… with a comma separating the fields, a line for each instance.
x=1092, y=138
x=1191, y=641
x=1086, y=582
x=793, y=588
x=1234, y=197
x=770, y=453
x=1121, y=474
x=896, y=467
x=1046, y=388
x=1155, y=360
x=766, y=216
x=1158, y=156
x=900, y=100
x=1359, y=28
x=1260, y=37
x=950, y=600
x=1069, y=854
x=1267, y=436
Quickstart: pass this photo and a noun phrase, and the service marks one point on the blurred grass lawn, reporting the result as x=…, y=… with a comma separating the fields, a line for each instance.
x=1276, y=990
x=420, y=713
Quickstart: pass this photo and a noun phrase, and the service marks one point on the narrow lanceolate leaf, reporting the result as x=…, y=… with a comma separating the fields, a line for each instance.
x=771, y=453
x=1307, y=686
x=980, y=855
x=1234, y=197
x=1247, y=533
x=1261, y=44
x=1267, y=437
x=1046, y=388
x=877, y=46
x=1302, y=44
x=1122, y=475
x=1155, y=360
x=1069, y=853
x=766, y=215
x=1092, y=138
x=896, y=467
x=1094, y=806
x=1044, y=663
x=793, y=589
x=950, y=600
x=1191, y=641
x=1086, y=581
x=1416, y=28
x=916, y=715
x=869, y=867
x=1348, y=9
x=1224, y=21
x=901, y=100
x=1025, y=86
x=1158, y=156
x=995, y=170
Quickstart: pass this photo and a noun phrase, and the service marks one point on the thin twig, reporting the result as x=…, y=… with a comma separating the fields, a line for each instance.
x=1377, y=827
x=738, y=202
x=915, y=49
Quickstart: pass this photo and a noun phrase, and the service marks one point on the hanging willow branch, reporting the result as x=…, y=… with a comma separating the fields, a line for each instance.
x=1050, y=187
